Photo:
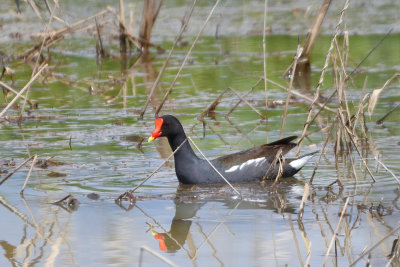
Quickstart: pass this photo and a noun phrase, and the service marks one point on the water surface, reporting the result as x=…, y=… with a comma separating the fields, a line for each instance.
x=88, y=126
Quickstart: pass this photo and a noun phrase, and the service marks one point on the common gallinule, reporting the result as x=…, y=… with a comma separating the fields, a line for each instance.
x=252, y=164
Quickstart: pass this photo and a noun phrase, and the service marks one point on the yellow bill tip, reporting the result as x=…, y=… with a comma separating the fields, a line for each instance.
x=151, y=139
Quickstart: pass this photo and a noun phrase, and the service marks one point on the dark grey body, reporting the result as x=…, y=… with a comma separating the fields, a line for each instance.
x=249, y=165
x=190, y=169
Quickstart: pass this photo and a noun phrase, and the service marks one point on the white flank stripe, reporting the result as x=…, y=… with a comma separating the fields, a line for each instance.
x=250, y=162
x=299, y=163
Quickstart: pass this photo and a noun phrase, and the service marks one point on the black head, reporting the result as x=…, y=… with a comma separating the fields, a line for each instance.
x=168, y=126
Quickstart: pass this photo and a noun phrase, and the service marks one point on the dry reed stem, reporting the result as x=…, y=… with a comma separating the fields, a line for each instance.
x=16, y=93
x=375, y=94
x=357, y=149
x=161, y=72
x=296, y=242
x=122, y=36
x=306, y=241
x=264, y=45
x=50, y=37
x=360, y=111
x=303, y=201
x=215, y=169
x=365, y=252
x=384, y=166
x=298, y=53
x=21, y=215
x=335, y=232
x=100, y=51
x=186, y=58
x=298, y=94
x=281, y=160
x=29, y=174
x=247, y=102
x=149, y=16
x=23, y=90
x=311, y=37
x=380, y=121
x=308, y=44
x=370, y=52
x=161, y=227
x=244, y=96
x=148, y=177
x=15, y=170
x=320, y=155
x=215, y=229
x=273, y=166
x=212, y=106
x=74, y=26
x=35, y=8
x=340, y=81
x=321, y=79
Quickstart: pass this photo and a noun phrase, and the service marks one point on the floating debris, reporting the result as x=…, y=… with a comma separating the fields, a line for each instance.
x=69, y=203
x=56, y=174
x=93, y=196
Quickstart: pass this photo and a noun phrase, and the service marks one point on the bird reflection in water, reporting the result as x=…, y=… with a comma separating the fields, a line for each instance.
x=283, y=198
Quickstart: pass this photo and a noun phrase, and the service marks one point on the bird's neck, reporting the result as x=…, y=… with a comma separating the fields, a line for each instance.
x=185, y=150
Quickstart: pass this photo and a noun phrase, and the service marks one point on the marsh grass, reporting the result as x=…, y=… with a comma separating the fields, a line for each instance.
x=345, y=135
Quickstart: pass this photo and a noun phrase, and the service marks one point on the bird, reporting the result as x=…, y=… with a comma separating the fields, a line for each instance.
x=254, y=164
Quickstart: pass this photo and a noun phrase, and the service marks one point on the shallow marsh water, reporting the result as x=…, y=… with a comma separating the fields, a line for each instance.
x=90, y=131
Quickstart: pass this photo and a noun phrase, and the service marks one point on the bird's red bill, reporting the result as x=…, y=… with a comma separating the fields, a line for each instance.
x=157, y=131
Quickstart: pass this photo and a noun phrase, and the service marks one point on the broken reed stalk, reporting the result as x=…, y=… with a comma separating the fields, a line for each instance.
x=213, y=231
x=370, y=52
x=164, y=66
x=335, y=232
x=365, y=252
x=320, y=155
x=375, y=94
x=29, y=174
x=149, y=16
x=321, y=79
x=148, y=177
x=186, y=58
x=247, y=102
x=155, y=254
x=349, y=134
x=15, y=170
x=73, y=27
x=244, y=96
x=215, y=169
x=43, y=45
x=212, y=106
x=386, y=168
x=23, y=90
x=16, y=93
x=99, y=44
x=159, y=167
x=294, y=92
x=298, y=53
x=35, y=8
x=304, y=57
x=312, y=36
x=264, y=45
x=380, y=121
x=360, y=111
x=303, y=201
x=56, y=35
x=281, y=161
x=122, y=36
x=273, y=166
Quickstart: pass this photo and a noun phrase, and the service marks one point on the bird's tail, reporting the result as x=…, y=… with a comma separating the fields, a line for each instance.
x=299, y=162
